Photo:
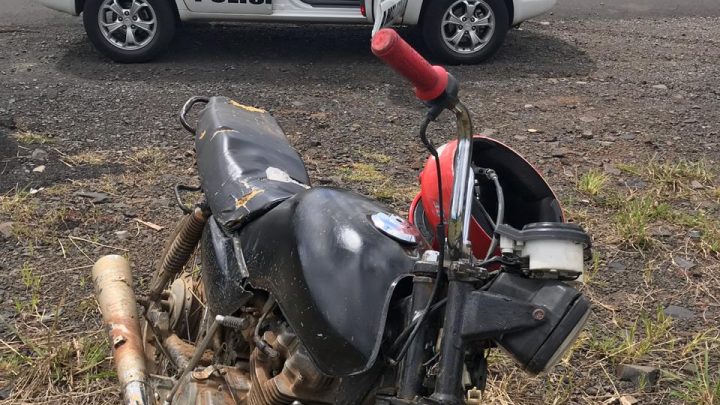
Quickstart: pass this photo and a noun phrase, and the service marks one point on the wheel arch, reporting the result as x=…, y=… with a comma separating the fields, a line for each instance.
x=80, y=6
x=508, y=3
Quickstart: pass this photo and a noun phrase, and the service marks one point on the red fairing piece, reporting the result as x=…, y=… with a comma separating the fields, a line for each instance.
x=480, y=238
x=428, y=197
x=430, y=81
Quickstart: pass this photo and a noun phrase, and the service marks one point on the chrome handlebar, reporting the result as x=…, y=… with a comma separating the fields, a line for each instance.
x=462, y=190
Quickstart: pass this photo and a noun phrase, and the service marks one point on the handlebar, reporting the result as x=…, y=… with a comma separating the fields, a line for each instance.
x=430, y=81
x=434, y=85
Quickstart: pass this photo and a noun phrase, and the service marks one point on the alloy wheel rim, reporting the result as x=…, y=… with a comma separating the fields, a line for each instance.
x=127, y=24
x=467, y=26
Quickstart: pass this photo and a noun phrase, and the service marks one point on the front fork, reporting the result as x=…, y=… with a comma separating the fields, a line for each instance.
x=448, y=386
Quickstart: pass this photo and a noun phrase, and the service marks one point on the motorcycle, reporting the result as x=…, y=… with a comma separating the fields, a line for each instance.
x=317, y=295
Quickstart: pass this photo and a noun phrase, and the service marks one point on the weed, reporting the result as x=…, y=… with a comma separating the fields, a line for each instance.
x=701, y=338
x=392, y=194
x=150, y=160
x=645, y=336
x=57, y=365
x=32, y=138
x=592, y=270
x=648, y=271
x=362, y=173
x=31, y=281
x=709, y=227
x=19, y=205
x=704, y=387
x=592, y=182
x=89, y=158
x=633, y=219
x=672, y=177
x=679, y=175
x=376, y=157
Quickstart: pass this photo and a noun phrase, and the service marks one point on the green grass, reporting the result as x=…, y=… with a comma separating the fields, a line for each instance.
x=592, y=183
x=708, y=226
x=647, y=335
x=633, y=218
x=703, y=387
x=31, y=281
x=673, y=177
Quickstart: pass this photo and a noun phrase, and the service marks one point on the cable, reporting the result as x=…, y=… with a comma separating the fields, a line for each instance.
x=408, y=329
x=440, y=232
x=260, y=343
x=490, y=173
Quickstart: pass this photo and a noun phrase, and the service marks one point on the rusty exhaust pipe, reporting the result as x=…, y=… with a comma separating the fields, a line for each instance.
x=113, y=289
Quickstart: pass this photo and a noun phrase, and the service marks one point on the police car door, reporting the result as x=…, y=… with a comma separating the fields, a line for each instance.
x=230, y=6
x=387, y=13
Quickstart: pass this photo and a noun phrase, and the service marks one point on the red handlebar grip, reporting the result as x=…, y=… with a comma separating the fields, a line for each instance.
x=429, y=81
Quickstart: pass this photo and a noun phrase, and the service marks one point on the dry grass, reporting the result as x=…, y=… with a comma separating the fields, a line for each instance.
x=371, y=181
x=32, y=138
x=89, y=158
x=49, y=366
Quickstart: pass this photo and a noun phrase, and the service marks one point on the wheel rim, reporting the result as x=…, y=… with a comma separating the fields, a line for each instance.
x=467, y=26
x=127, y=24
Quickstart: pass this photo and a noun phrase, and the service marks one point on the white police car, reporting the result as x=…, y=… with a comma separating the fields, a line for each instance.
x=457, y=31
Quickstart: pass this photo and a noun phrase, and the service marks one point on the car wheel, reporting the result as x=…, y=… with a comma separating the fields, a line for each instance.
x=129, y=30
x=465, y=31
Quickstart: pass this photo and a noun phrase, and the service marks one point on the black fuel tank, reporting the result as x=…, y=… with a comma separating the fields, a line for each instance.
x=331, y=271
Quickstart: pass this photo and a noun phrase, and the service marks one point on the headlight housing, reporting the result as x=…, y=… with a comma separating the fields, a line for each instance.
x=562, y=311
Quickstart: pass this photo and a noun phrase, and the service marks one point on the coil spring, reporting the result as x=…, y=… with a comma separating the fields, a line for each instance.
x=178, y=250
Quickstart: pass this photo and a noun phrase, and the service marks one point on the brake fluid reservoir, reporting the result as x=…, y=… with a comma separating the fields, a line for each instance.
x=554, y=255
x=553, y=249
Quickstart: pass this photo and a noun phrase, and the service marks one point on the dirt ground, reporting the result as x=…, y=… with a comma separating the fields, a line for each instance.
x=622, y=116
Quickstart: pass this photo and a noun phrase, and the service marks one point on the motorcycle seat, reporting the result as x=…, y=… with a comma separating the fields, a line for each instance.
x=246, y=164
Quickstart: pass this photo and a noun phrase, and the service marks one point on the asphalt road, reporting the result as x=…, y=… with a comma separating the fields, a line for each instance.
x=29, y=12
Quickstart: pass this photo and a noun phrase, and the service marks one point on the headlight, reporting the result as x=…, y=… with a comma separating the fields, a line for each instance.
x=562, y=309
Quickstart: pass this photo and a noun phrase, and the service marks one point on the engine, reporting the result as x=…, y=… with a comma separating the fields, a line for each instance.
x=245, y=364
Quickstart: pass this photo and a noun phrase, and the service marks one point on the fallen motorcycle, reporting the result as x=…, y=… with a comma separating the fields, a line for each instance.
x=317, y=295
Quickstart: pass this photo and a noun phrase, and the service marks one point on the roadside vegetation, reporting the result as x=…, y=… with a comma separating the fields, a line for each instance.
x=655, y=228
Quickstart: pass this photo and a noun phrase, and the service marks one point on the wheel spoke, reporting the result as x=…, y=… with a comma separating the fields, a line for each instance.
x=482, y=22
x=145, y=25
x=115, y=7
x=455, y=39
x=112, y=27
x=470, y=9
x=135, y=7
x=452, y=19
x=475, y=39
x=130, y=37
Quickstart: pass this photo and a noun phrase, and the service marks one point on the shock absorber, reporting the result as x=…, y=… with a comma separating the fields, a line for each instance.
x=178, y=250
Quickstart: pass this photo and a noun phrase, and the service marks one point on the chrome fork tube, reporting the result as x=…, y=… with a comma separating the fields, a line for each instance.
x=458, y=222
x=448, y=386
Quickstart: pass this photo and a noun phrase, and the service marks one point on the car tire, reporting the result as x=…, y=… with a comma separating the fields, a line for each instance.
x=448, y=27
x=108, y=24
